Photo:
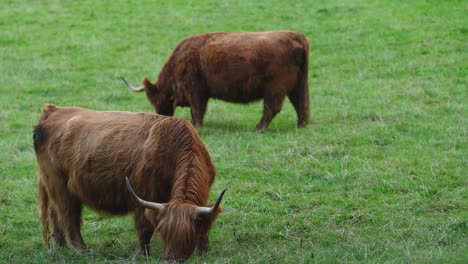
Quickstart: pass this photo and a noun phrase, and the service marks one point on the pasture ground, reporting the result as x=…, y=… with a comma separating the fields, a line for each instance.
x=380, y=175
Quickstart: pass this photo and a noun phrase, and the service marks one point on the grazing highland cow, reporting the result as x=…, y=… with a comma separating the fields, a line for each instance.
x=84, y=157
x=235, y=67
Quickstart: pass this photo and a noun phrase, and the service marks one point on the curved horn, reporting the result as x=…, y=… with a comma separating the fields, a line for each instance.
x=146, y=204
x=131, y=87
x=210, y=210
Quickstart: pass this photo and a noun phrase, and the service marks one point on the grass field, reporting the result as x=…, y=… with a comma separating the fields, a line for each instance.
x=380, y=175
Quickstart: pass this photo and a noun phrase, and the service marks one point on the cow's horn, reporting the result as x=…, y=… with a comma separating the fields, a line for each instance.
x=131, y=87
x=146, y=204
x=210, y=210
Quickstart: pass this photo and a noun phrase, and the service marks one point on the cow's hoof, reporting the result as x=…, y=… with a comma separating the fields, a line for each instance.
x=260, y=129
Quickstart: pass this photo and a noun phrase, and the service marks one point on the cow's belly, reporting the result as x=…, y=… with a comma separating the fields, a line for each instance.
x=238, y=89
x=237, y=94
x=110, y=196
x=234, y=77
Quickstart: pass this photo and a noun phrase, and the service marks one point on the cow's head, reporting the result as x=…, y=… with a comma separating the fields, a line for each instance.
x=163, y=103
x=181, y=226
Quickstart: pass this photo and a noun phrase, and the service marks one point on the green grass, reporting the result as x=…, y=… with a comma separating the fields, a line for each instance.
x=380, y=175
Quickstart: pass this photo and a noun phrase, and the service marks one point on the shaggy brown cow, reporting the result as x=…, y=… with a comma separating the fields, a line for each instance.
x=235, y=67
x=84, y=157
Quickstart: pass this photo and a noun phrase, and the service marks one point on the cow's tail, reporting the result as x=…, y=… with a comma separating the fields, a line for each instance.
x=40, y=132
x=301, y=90
x=43, y=200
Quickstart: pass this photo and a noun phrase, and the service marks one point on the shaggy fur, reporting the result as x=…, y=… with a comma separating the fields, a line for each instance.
x=84, y=157
x=236, y=67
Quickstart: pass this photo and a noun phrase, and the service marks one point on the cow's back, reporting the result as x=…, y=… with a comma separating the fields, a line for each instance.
x=238, y=66
x=73, y=133
x=92, y=152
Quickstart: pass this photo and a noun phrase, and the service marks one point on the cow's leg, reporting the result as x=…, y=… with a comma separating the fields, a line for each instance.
x=71, y=220
x=48, y=213
x=66, y=213
x=203, y=245
x=57, y=231
x=271, y=106
x=144, y=230
x=198, y=109
x=299, y=98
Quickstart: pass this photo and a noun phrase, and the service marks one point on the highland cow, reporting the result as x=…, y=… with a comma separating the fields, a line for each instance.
x=236, y=67
x=84, y=157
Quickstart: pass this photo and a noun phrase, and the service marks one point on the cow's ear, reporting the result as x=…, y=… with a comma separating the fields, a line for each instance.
x=152, y=216
x=149, y=85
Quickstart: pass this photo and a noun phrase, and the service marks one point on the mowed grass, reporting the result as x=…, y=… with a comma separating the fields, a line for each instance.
x=379, y=176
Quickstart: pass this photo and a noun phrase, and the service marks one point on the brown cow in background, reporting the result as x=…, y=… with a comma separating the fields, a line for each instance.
x=84, y=157
x=236, y=67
